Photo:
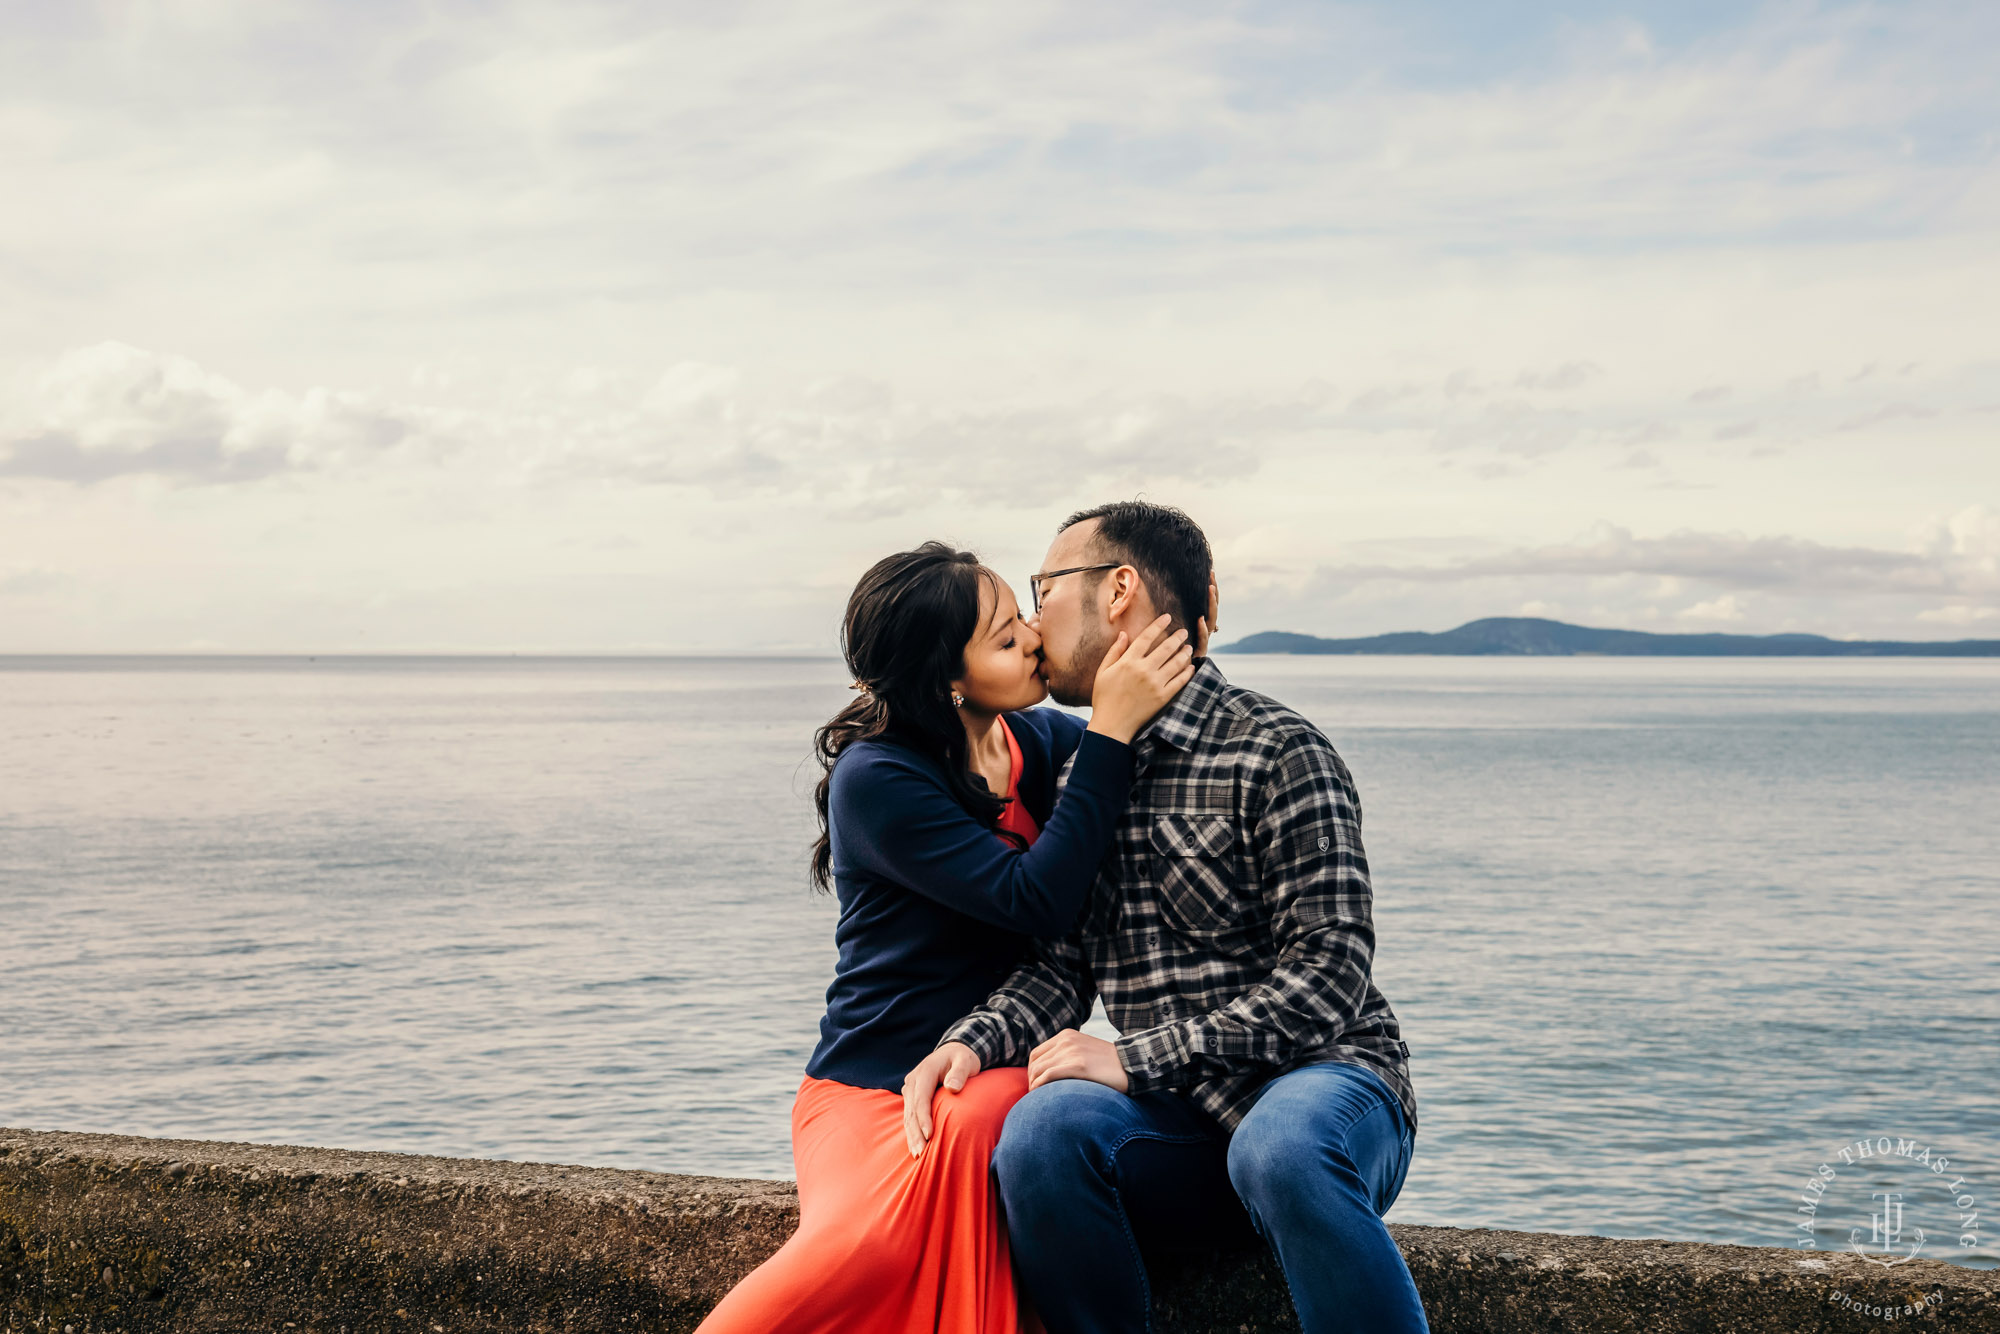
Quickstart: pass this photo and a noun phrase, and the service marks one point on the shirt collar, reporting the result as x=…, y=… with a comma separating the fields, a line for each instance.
x=1179, y=724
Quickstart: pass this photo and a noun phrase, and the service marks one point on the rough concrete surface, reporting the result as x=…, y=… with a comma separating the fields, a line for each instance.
x=102, y=1233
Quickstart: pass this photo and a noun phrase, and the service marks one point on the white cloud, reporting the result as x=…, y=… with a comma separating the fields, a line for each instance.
x=786, y=282
x=1728, y=607
x=29, y=581
x=1971, y=534
x=110, y=409
x=1569, y=375
x=1510, y=427
x=376, y=164
x=1726, y=559
x=1959, y=614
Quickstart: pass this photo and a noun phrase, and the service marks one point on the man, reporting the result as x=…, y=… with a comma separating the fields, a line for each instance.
x=1261, y=1079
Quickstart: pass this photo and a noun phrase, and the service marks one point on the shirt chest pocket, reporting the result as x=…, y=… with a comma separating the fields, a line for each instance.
x=1195, y=868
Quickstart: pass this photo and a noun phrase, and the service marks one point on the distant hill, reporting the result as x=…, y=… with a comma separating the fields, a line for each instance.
x=1531, y=637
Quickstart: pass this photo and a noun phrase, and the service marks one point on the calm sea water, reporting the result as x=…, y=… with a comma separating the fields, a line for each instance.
x=1663, y=935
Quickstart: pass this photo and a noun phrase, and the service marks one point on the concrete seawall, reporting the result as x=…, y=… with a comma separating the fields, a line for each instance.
x=102, y=1233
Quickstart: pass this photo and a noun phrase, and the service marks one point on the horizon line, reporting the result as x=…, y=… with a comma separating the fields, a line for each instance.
x=1623, y=630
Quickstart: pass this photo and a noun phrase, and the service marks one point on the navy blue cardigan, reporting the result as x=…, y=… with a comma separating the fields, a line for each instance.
x=935, y=908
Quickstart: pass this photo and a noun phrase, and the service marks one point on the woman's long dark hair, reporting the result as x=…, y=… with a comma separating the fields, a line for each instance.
x=904, y=638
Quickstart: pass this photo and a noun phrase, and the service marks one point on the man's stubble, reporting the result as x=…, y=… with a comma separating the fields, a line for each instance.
x=1073, y=687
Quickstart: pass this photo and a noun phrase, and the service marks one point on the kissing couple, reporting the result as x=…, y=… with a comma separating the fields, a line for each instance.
x=969, y=1162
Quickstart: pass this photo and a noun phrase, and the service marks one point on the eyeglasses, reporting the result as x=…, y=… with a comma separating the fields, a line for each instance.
x=1035, y=581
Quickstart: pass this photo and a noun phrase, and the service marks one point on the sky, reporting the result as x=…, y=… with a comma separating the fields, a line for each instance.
x=581, y=327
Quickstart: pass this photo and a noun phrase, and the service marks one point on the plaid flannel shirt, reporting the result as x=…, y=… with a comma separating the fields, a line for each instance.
x=1230, y=929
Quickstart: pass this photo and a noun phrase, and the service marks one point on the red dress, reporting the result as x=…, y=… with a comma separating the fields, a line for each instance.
x=887, y=1243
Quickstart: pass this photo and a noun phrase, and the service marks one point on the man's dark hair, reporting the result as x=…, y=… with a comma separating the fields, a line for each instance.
x=1162, y=544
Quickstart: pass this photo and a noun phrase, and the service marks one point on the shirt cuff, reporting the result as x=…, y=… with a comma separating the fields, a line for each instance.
x=1153, y=1058
x=985, y=1033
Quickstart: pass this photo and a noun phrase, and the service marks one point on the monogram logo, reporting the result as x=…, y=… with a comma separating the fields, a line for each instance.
x=1898, y=1186
x=1886, y=1231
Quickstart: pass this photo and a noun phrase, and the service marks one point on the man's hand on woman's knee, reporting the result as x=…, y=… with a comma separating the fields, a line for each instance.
x=1073, y=1055
x=951, y=1065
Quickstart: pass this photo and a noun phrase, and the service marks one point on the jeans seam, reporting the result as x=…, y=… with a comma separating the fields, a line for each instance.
x=1272, y=1246
x=1383, y=1107
x=1125, y=1220
x=1383, y=1093
x=1383, y=1103
x=1406, y=1133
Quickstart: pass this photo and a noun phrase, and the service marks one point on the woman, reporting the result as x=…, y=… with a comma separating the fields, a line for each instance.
x=942, y=836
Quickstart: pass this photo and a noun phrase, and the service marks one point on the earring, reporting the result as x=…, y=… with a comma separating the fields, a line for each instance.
x=957, y=700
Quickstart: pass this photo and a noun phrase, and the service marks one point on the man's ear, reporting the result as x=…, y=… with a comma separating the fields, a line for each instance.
x=1125, y=585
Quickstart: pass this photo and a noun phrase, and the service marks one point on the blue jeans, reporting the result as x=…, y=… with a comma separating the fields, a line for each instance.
x=1092, y=1179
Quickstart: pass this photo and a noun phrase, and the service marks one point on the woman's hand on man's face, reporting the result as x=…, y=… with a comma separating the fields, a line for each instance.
x=1137, y=677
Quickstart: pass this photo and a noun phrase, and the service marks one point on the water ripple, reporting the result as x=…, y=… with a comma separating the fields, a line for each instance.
x=1663, y=935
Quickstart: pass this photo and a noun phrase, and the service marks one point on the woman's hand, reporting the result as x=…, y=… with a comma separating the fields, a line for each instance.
x=1136, y=680
x=950, y=1066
